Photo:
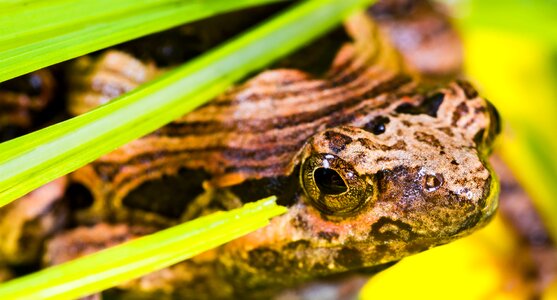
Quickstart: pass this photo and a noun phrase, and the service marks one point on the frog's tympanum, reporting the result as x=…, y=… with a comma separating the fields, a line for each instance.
x=373, y=166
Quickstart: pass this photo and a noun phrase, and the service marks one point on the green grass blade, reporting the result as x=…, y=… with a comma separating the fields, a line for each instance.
x=532, y=18
x=141, y=256
x=32, y=160
x=41, y=33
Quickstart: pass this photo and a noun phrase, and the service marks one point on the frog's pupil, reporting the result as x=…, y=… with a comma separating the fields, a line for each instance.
x=329, y=181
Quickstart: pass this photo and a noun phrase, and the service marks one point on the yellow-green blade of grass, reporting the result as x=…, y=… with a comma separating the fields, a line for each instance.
x=37, y=34
x=141, y=256
x=34, y=159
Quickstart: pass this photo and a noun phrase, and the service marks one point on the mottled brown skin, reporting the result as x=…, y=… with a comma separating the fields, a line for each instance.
x=372, y=167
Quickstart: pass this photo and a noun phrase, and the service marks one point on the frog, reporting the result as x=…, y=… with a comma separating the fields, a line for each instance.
x=372, y=165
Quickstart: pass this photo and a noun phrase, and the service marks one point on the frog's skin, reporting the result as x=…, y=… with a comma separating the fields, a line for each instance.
x=372, y=166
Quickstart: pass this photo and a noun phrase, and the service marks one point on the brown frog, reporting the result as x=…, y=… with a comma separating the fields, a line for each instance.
x=372, y=165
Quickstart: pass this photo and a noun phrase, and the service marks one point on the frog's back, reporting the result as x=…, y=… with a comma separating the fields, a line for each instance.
x=254, y=132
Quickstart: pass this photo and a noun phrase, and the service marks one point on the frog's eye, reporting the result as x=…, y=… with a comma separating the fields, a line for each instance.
x=332, y=185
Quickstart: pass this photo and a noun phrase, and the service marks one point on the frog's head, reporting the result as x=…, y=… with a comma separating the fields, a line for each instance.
x=411, y=181
x=375, y=193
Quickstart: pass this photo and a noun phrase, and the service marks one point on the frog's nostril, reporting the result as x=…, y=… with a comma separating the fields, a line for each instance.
x=433, y=182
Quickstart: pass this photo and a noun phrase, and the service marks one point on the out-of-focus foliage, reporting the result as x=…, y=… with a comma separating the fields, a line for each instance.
x=36, y=34
x=511, y=57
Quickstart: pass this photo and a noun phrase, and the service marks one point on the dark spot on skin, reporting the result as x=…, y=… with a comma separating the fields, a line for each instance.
x=429, y=106
x=383, y=159
x=359, y=157
x=349, y=130
x=441, y=152
x=446, y=130
x=377, y=125
x=454, y=162
x=337, y=141
x=298, y=245
x=366, y=143
x=387, y=229
x=349, y=258
x=381, y=250
x=300, y=222
x=263, y=258
x=468, y=89
x=327, y=235
x=460, y=110
x=399, y=145
x=428, y=139
x=479, y=110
